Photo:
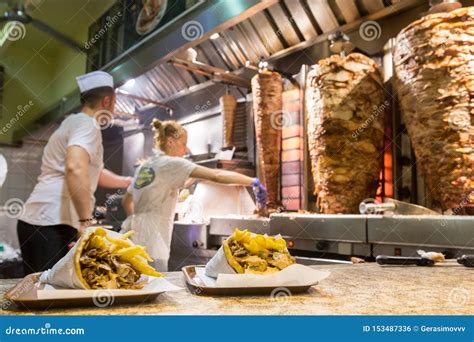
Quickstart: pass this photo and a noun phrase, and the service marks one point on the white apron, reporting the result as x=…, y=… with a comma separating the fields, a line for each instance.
x=155, y=191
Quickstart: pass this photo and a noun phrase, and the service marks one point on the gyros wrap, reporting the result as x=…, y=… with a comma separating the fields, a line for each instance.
x=248, y=253
x=101, y=259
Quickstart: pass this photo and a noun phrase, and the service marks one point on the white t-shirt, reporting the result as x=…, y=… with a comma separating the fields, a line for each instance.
x=50, y=202
x=155, y=189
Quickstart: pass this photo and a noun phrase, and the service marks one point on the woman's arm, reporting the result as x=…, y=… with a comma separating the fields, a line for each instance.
x=221, y=176
x=189, y=182
x=127, y=204
x=108, y=179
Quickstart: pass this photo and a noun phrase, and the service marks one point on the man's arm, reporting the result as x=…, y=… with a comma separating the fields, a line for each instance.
x=127, y=204
x=108, y=179
x=77, y=180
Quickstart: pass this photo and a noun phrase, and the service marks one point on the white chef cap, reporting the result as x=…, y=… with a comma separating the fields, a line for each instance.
x=95, y=79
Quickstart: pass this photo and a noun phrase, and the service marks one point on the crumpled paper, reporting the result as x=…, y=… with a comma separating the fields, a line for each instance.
x=218, y=265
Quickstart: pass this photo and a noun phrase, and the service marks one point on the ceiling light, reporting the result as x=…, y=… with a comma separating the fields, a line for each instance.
x=215, y=36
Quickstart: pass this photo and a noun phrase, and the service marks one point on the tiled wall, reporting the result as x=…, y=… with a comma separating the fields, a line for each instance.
x=24, y=165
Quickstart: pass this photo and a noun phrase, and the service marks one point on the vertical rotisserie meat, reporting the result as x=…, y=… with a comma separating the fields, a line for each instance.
x=345, y=103
x=228, y=105
x=434, y=65
x=267, y=90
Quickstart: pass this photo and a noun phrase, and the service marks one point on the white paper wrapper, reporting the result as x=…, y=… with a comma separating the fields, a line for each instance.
x=63, y=274
x=293, y=275
x=218, y=265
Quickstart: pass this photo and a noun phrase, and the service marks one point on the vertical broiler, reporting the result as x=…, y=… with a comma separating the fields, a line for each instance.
x=228, y=106
x=434, y=64
x=345, y=131
x=267, y=90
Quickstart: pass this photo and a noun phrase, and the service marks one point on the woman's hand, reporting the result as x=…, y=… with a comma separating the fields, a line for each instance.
x=260, y=193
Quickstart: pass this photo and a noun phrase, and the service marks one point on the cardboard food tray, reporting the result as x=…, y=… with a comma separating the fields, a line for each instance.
x=197, y=287
x=25, y=294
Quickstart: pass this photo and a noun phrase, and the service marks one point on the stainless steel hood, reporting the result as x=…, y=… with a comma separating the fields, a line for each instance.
x=271, y=33
x=249, y=30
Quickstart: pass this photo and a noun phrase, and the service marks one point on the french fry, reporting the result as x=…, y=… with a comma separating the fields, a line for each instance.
x=127, y=235
x=130, y=252
x=100, y=231
x=143, y=267
x=119, y=242
x=98, y=242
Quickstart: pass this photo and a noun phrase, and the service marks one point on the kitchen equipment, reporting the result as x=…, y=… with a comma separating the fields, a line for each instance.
x=394, y=207
x=196, y=238
x=466, y=260
x=322, y=235
x=189, y=245
x=403, y=261
x=320, y=239
x=403, y=235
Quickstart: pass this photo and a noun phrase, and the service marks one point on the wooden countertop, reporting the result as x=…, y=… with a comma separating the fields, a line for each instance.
x=363, y=289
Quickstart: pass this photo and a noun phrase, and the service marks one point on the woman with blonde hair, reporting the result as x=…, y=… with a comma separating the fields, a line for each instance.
x=150, y=200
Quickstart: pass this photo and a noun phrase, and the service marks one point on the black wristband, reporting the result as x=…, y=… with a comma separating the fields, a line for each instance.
x=86, y=220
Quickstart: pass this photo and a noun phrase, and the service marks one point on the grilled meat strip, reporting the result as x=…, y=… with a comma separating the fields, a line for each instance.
x=267, y=90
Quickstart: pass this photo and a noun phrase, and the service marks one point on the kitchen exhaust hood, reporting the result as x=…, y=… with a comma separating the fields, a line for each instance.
x=229, y=35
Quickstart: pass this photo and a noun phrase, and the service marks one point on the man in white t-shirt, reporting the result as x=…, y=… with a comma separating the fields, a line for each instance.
x=61, y=204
